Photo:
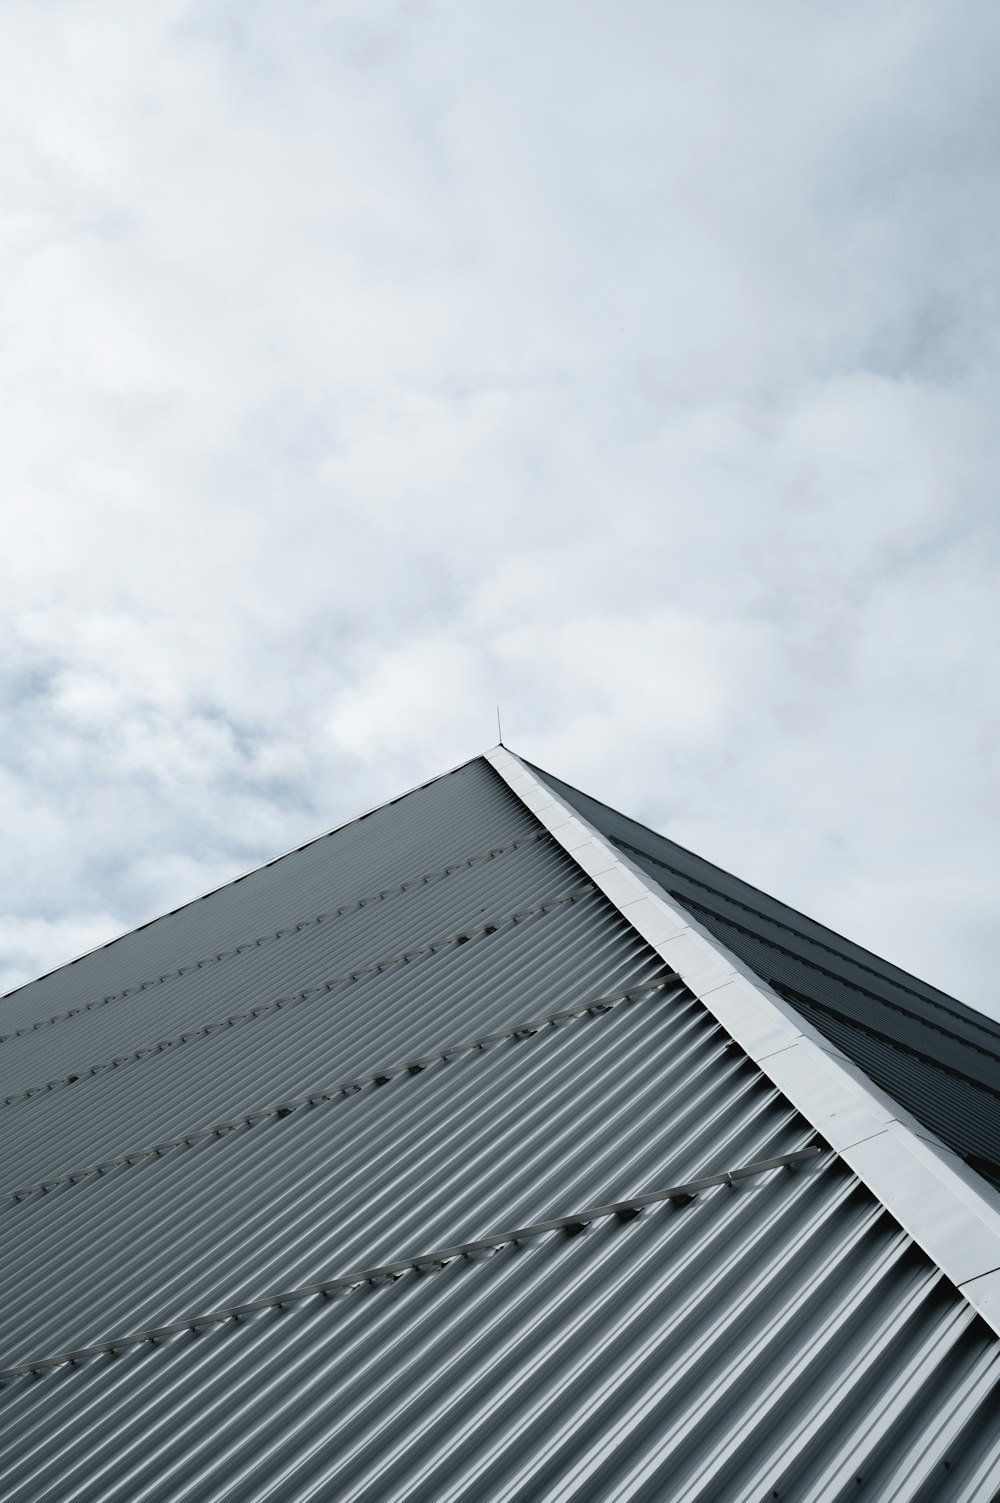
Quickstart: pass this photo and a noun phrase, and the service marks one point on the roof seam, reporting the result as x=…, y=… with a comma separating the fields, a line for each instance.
x=773, y=944
x=807, y=938
x=518, y=1031
x=801, y=1000
x=626, y=1210
x=250, y=871
x=489, y=926
x=944, y=1206
x=291, y=928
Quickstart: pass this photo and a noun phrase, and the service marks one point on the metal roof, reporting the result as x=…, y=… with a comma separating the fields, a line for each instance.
x=936, y=1056
x=280, y=1176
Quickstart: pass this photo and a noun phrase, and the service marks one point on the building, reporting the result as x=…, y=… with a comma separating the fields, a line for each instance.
x=494, y=1147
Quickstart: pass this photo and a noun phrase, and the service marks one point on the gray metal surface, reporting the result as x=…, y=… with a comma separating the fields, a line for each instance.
x=936, y=1056
x=469, y=1037
x=779, y=1337
x=438, y=1257
x=467, y=811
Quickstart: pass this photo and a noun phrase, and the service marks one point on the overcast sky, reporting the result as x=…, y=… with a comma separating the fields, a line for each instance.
x=635, y=365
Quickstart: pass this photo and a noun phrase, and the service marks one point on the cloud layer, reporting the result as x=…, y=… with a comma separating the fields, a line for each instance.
x=363, y=365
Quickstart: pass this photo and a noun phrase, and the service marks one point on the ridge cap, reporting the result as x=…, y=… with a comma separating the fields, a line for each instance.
x=947, y=1209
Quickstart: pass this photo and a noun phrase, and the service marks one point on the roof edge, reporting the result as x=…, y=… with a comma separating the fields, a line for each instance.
x=770, y=897
x=249, y=872
x=943, y=1204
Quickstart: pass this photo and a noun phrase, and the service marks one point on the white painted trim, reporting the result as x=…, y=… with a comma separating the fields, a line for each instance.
x=948, y=1210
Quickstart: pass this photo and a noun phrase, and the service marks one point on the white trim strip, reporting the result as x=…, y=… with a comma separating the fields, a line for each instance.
x=948, y=1210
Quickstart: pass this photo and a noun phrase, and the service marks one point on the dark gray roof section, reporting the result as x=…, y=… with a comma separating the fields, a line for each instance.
x=428, y=1029
x=937, y=1057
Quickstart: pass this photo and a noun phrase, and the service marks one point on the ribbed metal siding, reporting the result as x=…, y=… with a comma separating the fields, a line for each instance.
x=585, y=1113
x=365, y=931
x=946, y=1066
x=781, y=1336
x=949, y=1112
x=951, y=1084
x=519, y=881
x=467, y=811
x=542, y=964
x=974, y=1058
x=707, y=882
x=780, y=1339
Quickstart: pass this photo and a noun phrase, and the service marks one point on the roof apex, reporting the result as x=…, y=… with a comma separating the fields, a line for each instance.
x=948, y=1210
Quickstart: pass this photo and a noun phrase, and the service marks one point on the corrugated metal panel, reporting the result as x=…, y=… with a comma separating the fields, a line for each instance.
x=550, y=960
x=467, y=811
x=778, y=1337
x=945, y=1067
x=362, y=932
x=585, y=1113
x=971, y=1057
x=948, y=1111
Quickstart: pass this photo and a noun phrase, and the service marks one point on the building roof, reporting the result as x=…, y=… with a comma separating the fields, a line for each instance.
x=440, y=1158
x=936, y=1056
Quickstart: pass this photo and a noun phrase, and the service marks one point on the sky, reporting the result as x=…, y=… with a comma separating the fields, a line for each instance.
x=635, y=367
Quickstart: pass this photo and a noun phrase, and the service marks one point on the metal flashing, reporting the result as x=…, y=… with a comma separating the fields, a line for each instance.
x=577, y=1221
x=944, y=1206
x=373, y=1334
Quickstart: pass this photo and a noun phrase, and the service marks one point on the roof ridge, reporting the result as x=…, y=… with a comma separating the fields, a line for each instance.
x=975, y=1019
x=947, y=1208
x=798, y=912
x=774, y=944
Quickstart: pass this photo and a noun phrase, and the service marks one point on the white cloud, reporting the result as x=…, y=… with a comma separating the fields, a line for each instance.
x=364, y=365
x=420, y=694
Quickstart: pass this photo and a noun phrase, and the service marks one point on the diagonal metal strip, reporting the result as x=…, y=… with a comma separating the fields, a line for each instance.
x=305, y=994
x=295, y=927
x=943, y=1205
x=347, y=1087
x=573, y=1223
